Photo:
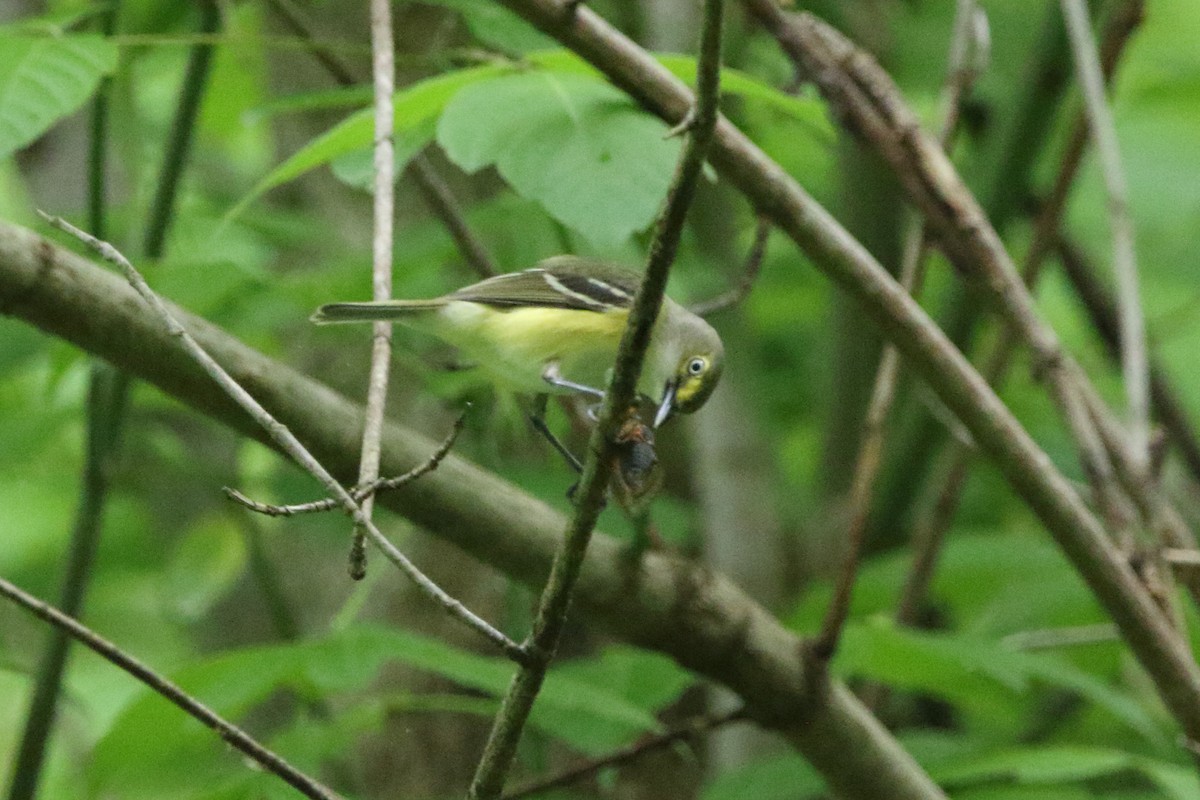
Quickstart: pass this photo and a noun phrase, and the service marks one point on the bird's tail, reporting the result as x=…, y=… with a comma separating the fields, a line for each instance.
x=370, y=312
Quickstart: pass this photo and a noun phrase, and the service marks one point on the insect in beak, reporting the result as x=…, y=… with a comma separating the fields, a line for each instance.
x=667, y=405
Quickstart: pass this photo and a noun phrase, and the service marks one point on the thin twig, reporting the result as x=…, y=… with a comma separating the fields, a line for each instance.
x=1102, y=311
x=437, y=195
x=498, y=754
x=961, y=71
x=359, y=493
x=1134, y=362
x=750, y=270
x=1182, y=558
x=673, y=606
x=323, y=52
x=930, y=531
x=384, y=73
x=1053, y=638
x=290, y=444
x=104, y=415
x=1004, y=192
x=162, y=207
x=869, y=102
x=693, y=729
x=1161, y=518
x=434, y=191
x=229, y=732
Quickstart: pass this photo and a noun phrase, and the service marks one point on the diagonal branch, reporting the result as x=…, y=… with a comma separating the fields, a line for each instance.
x=700, y=122
x=288, y=442
x=693, y=729
x=961, y=72
x=869, y=104
x=929, y=352
x=228, y=732
x=930, y=530
x=695, y=616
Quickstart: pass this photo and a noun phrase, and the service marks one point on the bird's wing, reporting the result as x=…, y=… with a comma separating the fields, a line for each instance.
x=560, y=282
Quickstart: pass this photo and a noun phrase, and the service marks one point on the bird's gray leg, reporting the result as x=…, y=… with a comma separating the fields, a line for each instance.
x=552, y=376
x=537, y=418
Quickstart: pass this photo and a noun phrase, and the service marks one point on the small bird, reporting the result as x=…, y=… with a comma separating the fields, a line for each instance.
x=555, y=328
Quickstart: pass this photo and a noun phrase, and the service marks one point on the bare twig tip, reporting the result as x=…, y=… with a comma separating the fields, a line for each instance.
x=685, y=124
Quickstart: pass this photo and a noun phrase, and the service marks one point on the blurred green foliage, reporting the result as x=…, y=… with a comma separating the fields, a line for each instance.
x=546, y=158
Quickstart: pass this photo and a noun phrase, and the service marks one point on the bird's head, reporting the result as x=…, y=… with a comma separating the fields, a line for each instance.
x=693, y=360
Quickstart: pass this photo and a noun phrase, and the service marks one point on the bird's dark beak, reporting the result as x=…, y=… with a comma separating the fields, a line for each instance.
x=667, y=405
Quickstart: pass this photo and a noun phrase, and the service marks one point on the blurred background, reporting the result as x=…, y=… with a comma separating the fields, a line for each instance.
x=1010, y=687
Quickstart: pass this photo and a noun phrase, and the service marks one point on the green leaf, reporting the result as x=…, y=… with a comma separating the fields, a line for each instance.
x=995, y=582
x=577, y=146
x=589, y=716
x=207, y=561
x=357, y=169
x=498, y=27
x=1022, y=792
x=784, y=777
x=414, y=107
x=976, y=673
x=1004, y=772
x=44, y=79
x=56, y=21
x=805, y=108
x=1043, y=764
x=1175, y=781
x=648, y=680
x=21, y=342
x=340, y=97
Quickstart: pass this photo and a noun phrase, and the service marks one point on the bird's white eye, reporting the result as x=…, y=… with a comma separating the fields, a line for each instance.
x=696, y=366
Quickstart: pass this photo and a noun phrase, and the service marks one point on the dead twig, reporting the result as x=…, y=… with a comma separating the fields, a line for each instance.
x=750, y=270
x=962, y=69
x=359, y=493
x=929, y=532
x=693, y=729
x=289, y=443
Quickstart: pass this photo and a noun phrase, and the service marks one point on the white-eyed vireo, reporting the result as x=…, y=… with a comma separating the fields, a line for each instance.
x=555, y=329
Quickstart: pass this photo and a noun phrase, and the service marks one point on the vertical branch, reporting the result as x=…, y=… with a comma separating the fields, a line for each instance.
x=179, y=141
x=434, y=191
x=108, y=391
x=286, y=440
x=1134, y=364
x=105, y=409
x=930, y=531
x=1005, y=189
x=384, y=70
x=962, y=69
x=700, y=121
